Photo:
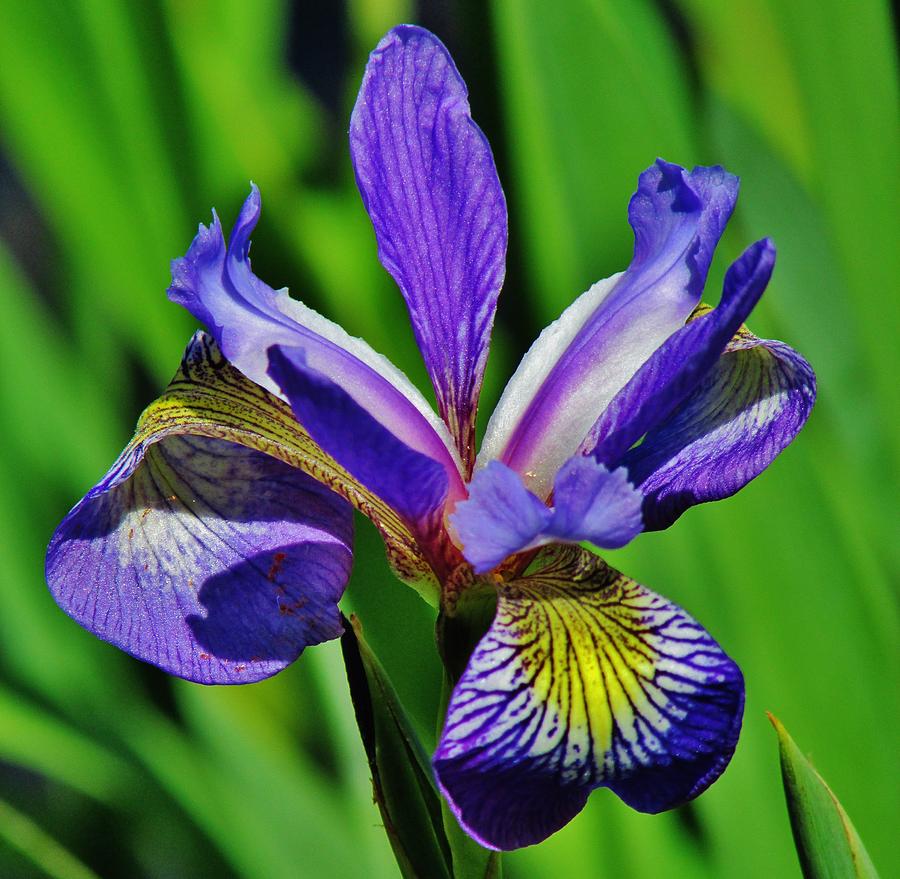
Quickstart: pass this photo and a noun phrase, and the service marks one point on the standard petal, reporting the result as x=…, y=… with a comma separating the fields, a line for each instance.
x=213, y=561
x=746, y=409
x=585, y=679
x=676, y=368
x=428, y=181
x=578, y=364
x=246, y=317
x=409, y=482
x=502, y=517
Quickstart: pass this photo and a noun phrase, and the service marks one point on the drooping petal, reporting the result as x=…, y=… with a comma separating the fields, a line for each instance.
x=502, y=517
x=578, y=364
x=428, y=181
x=744, y=412
x=411, y=483
x=209, y=397
x=585, y=679
x=246, y=317
x=198, y=551
x=676, y=368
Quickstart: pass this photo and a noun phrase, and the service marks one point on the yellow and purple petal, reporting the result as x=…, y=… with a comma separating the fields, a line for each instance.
x=207, y=557
x=246, y=317
x=502, y=517
x=579, y=363
x=585, y=679
x=428, y=181
x=207, y=548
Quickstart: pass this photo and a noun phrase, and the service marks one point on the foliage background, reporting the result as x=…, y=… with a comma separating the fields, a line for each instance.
x=122, y=123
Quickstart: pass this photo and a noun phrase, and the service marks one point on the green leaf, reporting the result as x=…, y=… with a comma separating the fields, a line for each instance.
x=401, y=773
x=827, y=843
x=21, y=833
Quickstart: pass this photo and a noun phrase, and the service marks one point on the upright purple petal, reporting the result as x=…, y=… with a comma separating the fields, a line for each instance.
x=502, y=517
x=580, y=363
x=746, y=409
x=675, y=369
x=213, y=561
x=585, y=679
x=411, y=483
x=428, y=181
x=246, y=317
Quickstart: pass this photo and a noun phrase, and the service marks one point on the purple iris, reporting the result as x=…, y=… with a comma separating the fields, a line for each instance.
x=218, y=545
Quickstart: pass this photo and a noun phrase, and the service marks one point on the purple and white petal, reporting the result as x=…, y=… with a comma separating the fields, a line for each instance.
x=215, y=562
x=413, y=484
x=502, y=517
x=676, y=368
x=745, y=411
x=579, y=364
x=246, y=317
x=428, y=181
x=585, y=679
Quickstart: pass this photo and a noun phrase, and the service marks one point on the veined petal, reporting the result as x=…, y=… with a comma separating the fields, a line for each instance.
x=409, y=482
x=197, y=551
x=585, y=679
x=502, y=517
x=578, y=364
x=744, y=412
x=246, y=317
x=209, y=397
x=428, y=181
x=676, y=368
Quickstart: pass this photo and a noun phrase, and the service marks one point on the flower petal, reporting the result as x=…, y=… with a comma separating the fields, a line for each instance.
x=210, y=559
x=246, y=317
x=746, y=409
x=585, y=679
x=209, y=397
x=578, y=364
x=502, y=517
x=676, y=368
x=428, y=181
x=593, y=503
x=411, y=483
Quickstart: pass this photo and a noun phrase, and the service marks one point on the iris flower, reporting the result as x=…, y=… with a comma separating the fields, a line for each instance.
x=219, y=543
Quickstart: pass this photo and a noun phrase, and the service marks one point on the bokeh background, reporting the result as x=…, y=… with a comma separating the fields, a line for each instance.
x=123, y=123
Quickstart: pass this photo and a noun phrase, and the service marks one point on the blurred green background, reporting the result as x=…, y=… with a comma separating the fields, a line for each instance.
x=123, y=123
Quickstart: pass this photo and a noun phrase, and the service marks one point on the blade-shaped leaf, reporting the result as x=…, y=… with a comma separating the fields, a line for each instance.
x=401, y=773
x=827, y=842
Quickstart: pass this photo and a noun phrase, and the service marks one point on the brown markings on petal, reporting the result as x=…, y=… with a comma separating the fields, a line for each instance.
x=277, y=562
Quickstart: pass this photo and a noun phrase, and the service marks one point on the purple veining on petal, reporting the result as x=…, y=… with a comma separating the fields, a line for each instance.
x=246, y=317
x=676, y=368
x=677, y=217
x=585, y=679
x=745, y=411
x=502, y=517
x=217, y=563
x=410, y=482
x=428, y=181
